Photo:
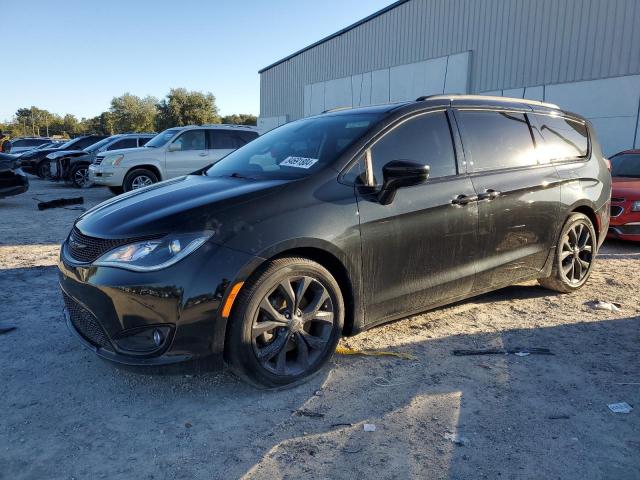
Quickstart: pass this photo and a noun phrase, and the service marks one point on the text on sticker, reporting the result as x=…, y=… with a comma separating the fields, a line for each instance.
x=298, y=162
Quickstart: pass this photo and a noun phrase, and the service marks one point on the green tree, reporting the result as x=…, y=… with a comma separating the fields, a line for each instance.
x=241, y=119
x=182, y=107
x=130, y=113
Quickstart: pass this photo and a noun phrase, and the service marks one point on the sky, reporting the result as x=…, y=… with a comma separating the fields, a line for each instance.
x=73, y=56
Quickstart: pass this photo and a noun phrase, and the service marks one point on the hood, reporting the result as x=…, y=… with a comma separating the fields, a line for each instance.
x=65, y=153
x=129, y=151
x=191, y=203
x=625, y=187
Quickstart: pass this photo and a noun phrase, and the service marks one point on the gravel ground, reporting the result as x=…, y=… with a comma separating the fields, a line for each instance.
x=64, y=413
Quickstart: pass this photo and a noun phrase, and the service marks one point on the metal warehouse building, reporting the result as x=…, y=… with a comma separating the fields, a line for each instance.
x=581, y=54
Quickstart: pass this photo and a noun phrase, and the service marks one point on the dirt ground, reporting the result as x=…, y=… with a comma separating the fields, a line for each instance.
x=66, y=414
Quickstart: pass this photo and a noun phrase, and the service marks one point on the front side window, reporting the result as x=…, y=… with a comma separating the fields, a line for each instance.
x=297, y=149
x=626, y=165
x=425, y=139
x=86, y=142
x=563, y=138
x=142, y=141
x=495, y=140
x=190, y=140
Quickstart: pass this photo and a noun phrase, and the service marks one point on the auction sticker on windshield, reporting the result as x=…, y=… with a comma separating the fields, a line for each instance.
x=298, y=162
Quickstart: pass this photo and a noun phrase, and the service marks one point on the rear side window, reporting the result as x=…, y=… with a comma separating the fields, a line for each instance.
x=143, y=140
x=124, y=143
x=225, y=140
x=247, y=136
x=563, y=138
x=496, y=140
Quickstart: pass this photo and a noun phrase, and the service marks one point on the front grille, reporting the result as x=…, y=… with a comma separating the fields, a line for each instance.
x=85, y=249
x=85, y=323
x=616, y=210
x=617, y=199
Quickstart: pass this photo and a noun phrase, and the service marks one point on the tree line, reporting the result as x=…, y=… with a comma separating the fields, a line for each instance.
x=127, y=113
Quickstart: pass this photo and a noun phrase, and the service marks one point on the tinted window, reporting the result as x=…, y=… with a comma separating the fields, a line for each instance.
x=626, y=165
x=247, y=136
x=297, y=149
x=124, y=143
x=425, y=139
x=563, y=138
x=495, y=140
x=142, y=141
x=191, y=140
x=223, y=140
x=85, y=142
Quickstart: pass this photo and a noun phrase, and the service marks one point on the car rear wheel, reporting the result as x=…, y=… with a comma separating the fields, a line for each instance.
x=285, y=324
x=79, y=176
x=139, y=178
x=574, y=255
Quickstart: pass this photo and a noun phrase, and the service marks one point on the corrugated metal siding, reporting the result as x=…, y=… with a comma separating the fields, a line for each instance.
x=515, y=43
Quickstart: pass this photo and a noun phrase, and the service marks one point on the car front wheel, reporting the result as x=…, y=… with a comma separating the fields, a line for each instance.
x=79, y=176
x=139, y=178
x=285, y=324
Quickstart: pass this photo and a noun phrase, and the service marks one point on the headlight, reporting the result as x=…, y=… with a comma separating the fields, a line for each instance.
x=112, y=160
x=635, y=206
x=149, y=255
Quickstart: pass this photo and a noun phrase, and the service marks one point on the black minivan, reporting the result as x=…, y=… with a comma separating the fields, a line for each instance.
x=332, y=224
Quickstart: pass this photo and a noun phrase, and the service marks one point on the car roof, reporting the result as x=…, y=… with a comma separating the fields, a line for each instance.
x=470, y=101
x=221, y=126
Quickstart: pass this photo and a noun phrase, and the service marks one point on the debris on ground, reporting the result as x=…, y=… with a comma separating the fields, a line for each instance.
x=520, y=352
x=601, y=305
x=369, y=427
x=59, y=202
x=375, y=353
x=308, y=413
x=6, y=329
x=456, y=439
x=558, y=417
x=622, y=407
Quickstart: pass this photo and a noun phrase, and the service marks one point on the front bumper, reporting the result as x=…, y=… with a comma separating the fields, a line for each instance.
x=101, y=175
x=13, y=182
x=105, y=304
x=624, y=223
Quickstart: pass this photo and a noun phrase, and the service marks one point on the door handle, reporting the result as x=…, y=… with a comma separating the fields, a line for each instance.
x=203, y=154
x=464, y=199
x=489, y=194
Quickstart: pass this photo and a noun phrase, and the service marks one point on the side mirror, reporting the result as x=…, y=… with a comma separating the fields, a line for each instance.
x=398, y=174
x=173, y=147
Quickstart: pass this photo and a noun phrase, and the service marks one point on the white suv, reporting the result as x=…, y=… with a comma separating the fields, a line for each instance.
x=174, y=152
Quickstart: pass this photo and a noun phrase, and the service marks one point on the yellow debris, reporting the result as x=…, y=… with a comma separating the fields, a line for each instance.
x=374, y=353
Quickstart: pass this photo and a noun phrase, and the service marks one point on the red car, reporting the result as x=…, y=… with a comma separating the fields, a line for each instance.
x=625, y=196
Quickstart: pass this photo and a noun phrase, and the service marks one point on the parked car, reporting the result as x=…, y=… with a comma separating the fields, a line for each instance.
x=625, y=196
x=23, y=144
x=36, y=163
x=174, y=152
x=333, y=224
x=73, y=166
x=13, y=180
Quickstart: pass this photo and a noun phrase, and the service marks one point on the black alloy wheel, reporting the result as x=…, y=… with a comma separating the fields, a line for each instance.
x=285, y=323
x=576, y=253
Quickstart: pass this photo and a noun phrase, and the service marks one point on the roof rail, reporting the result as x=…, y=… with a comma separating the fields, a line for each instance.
x=459, y=96
x=337, y=109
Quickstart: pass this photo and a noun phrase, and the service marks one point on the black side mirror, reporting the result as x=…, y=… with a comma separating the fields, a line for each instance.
x=398, y=174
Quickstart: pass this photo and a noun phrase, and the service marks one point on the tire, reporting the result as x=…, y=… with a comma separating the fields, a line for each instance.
x=116, y=190
x=289, y=350
x=79, y=176
x=138, y=178
x=42, y=170
x=574, y=256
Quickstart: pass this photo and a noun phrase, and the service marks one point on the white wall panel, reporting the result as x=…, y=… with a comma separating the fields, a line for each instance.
x=614, y=133
x=317, y=98
x=434, y=77
x=534, y=93
x=380, y=86
x=337, y=93
x=513, y=93
x=457, y=80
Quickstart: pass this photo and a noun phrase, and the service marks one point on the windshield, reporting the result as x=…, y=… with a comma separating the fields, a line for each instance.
x=162, y=138
x=96, y=146
x=627, y=165
x=297, y=149
x=69, y=144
